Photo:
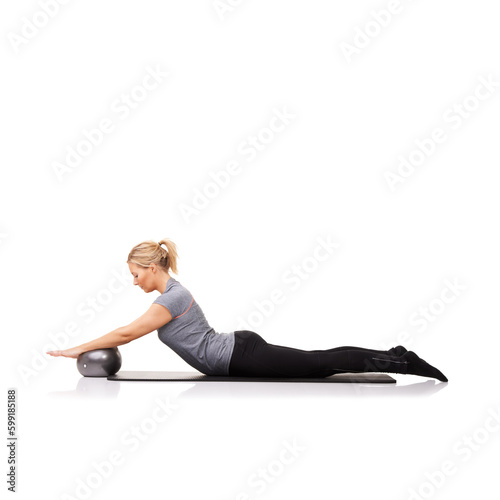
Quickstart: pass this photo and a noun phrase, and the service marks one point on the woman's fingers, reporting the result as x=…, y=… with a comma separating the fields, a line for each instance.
x=68, y=353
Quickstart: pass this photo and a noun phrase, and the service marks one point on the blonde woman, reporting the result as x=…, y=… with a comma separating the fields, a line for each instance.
x=182, y=326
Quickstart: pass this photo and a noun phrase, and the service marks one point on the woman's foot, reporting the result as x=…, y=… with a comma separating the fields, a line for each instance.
x=417, y=366
x=398, y=350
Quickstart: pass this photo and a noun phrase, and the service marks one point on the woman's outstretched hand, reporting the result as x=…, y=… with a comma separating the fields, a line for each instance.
x=74, y=352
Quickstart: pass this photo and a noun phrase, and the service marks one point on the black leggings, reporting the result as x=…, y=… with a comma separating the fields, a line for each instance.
x=254, y=357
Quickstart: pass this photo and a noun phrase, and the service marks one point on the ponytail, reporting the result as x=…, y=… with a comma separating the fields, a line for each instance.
x=150, y=252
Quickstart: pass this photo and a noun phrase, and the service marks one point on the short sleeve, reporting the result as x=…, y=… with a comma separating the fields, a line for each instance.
x=175, y=301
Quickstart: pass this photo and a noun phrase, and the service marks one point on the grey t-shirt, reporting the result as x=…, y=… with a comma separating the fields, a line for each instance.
x=190, y=336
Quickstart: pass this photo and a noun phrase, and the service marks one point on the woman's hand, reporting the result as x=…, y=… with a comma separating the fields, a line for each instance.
x=155, y=317
x=74, y=352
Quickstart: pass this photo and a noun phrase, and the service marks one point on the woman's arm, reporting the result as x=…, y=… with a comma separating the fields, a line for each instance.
x=155, y=317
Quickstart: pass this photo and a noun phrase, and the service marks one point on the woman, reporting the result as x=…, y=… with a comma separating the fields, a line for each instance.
x=183, y=327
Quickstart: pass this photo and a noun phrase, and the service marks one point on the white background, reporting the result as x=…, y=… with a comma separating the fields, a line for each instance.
x=63, y=239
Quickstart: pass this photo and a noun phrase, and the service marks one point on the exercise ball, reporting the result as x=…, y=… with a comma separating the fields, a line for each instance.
x=99, y=362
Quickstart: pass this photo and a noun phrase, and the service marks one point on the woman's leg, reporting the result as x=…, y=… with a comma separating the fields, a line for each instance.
x=398, y=350
x=254, y=357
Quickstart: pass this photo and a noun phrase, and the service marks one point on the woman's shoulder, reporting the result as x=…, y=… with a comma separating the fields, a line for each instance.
x=175, y=286
x=176, y=298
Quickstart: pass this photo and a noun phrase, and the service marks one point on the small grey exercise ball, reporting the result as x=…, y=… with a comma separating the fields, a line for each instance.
x=99, y=362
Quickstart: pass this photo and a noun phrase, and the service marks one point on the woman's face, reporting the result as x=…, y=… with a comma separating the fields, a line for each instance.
x=143, y=277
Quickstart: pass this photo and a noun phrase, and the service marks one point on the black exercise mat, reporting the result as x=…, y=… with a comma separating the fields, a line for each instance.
x=365, y=378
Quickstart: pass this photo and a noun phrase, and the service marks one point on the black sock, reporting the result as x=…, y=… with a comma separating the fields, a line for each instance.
x=398, y=350
x=417, y=366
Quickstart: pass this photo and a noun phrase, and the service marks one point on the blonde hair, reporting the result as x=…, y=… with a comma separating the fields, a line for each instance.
x=149, y=252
